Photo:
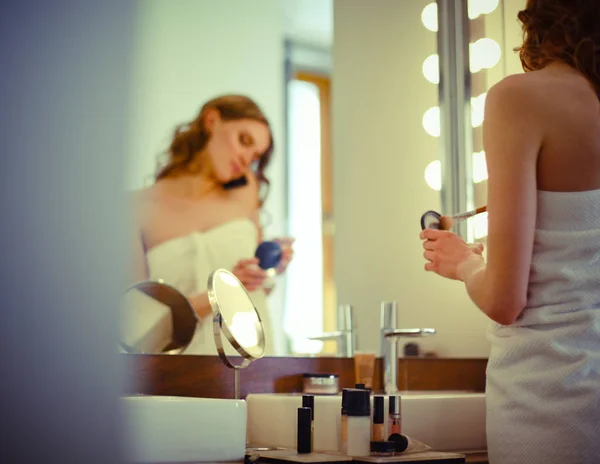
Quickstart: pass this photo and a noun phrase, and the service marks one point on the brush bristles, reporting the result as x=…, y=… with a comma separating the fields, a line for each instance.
x=446, y=223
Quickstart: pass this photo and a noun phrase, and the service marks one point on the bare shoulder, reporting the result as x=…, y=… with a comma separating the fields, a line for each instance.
x=142, y=202
x=549, y=90
x=141, y=198
x=518, y=92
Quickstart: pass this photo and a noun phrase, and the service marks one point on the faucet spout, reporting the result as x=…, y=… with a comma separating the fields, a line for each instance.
x=408, y=333
x=345, y=336
x=389, y=344
x=327, y=336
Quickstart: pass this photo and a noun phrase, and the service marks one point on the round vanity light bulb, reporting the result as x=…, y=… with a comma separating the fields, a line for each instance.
x=477, y=110
x=484, y=54
x=432, y=122
x=429, y=17
x=473, y=9
x=481, y=7
x=433, y=175
x=431, y=68
x=487, y=6
x=479, y=167
x=480, y=225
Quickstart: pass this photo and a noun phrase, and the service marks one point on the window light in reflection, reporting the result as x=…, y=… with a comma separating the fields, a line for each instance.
x=479, y=167
x=477, y=110
x=431, y=68
x=429, y=17
x=433, y=175
x=481, y=7
x=431, y=121
x=243, y=328
x=484, y=54
x=229, y=280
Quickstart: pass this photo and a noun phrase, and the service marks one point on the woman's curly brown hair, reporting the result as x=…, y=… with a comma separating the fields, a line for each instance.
x=190, y=139
x=562, y=30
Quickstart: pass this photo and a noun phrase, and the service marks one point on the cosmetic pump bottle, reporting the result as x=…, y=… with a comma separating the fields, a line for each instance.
x=358, y=412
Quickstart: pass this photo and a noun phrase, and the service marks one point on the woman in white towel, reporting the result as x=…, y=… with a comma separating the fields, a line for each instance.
x=202, y=212
x=541, y=283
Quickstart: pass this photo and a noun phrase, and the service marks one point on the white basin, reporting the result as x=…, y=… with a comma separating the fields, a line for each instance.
x=446, y=421
x=168, y=429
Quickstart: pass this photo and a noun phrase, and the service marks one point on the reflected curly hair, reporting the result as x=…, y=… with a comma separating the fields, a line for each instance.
x=562, y=30
x=191, y=138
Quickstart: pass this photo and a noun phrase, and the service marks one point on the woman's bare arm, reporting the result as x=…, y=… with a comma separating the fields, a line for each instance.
x=513, y=136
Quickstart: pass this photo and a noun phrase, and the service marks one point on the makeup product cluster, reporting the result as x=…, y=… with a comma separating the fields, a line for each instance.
x=362, y=430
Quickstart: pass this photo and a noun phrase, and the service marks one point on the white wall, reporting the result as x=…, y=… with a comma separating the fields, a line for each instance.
x=380, y=151
x=188, y=51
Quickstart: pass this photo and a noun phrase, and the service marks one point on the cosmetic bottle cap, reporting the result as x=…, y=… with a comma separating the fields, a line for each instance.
x=383, y=447
x=395, y=406
x=400, y=440
x=358, y=403
x=308, y=401
x=303, y=443
x=320, y=375
x=360, y=386
x=378, y=410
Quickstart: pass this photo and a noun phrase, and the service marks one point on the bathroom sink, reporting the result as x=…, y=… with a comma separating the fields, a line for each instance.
x=168, y=429
x=444, y=420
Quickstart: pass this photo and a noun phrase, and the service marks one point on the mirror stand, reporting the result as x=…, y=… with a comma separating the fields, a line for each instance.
x=236, y=317
x=217, y=328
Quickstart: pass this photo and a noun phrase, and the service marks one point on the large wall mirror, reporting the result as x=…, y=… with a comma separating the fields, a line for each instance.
x=352, y=93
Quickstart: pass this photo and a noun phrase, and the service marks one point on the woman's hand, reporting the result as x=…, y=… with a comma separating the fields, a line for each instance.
x=287, y=253
x=248, y=272
x=446, y=252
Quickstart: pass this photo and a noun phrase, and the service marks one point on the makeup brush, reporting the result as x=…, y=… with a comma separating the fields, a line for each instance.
x=446, y=222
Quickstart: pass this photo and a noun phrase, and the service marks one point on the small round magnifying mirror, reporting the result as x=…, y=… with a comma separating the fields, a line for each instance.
x=155, y=318
x=235, y=317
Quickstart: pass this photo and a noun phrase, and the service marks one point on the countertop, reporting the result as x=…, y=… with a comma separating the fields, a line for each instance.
x=470, y=458
x=289, y=456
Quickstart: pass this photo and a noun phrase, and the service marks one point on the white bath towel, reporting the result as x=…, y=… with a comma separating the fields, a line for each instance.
x=543, y=379
x=186, y=262
x=146, y=323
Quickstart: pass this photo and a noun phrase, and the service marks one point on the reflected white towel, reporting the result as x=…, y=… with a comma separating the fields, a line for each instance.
x=146, y=324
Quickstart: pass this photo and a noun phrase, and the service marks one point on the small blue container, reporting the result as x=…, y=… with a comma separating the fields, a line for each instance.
x=269, y=255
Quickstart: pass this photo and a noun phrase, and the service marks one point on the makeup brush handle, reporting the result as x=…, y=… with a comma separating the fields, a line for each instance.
x=468, y=214
x=461, y=216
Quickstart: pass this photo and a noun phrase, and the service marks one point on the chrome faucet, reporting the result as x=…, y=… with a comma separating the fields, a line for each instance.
x=389, y=344
x=344, y=336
